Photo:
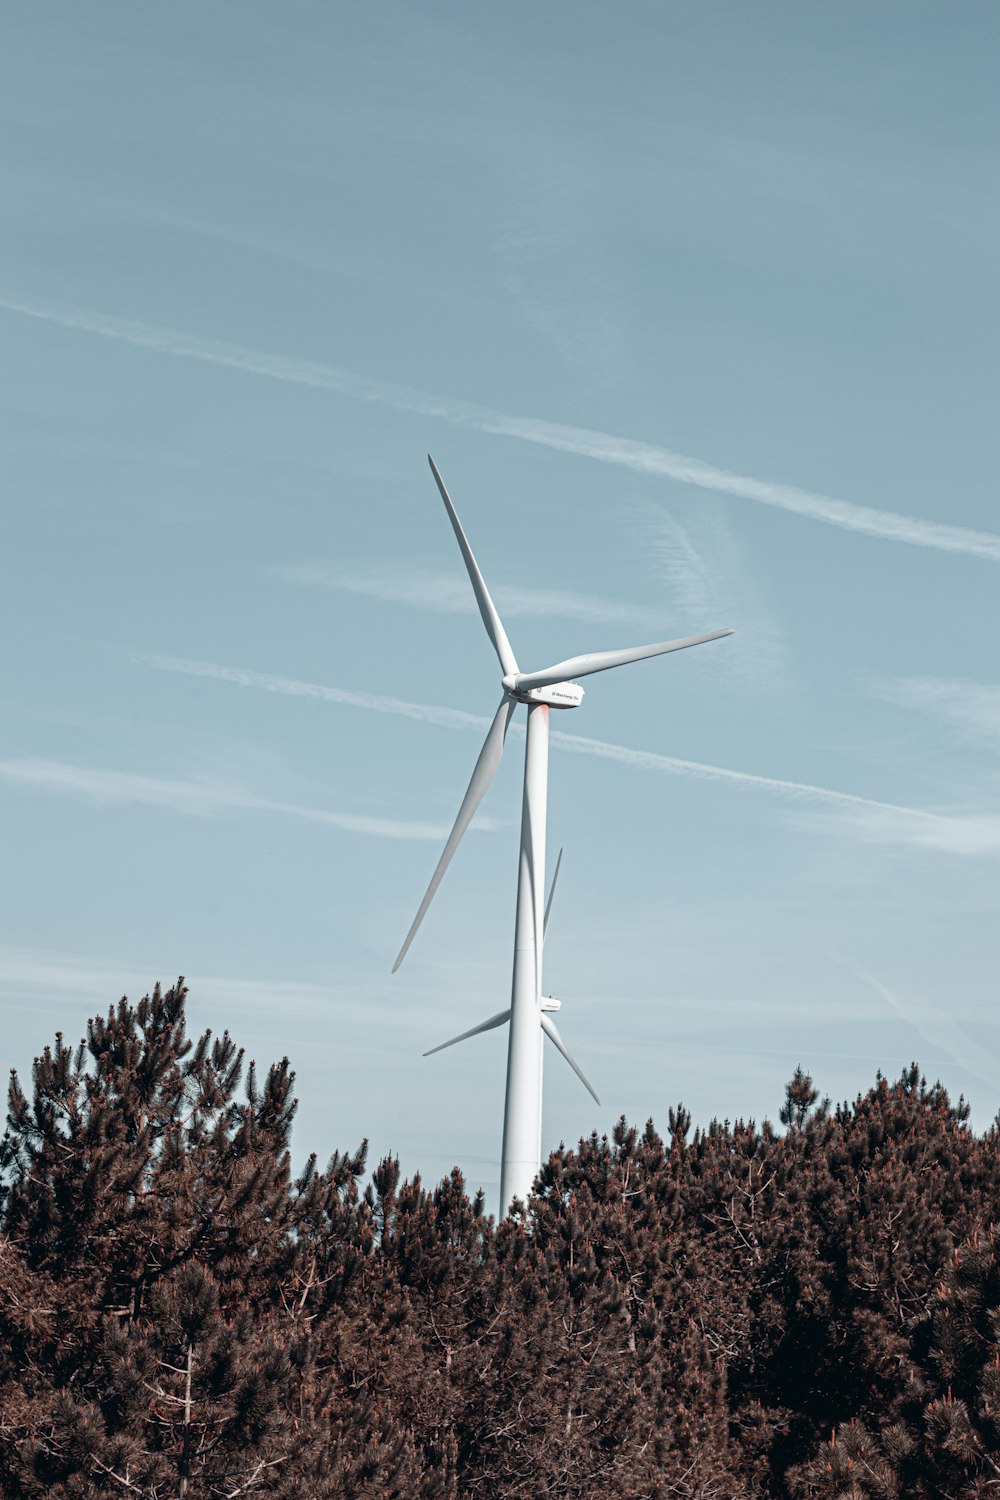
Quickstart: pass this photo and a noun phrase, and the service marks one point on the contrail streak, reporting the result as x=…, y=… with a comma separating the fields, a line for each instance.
x=448, y=718
x=202, y=798
x=451, y=718
x=650, y=760
x=643, y=458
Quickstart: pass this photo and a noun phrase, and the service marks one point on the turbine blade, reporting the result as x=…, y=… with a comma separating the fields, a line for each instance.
x=485, y=770
x=551, y=1031
x=494, y=628
x=600, y=661
x=552, y=891
x=490, y=1025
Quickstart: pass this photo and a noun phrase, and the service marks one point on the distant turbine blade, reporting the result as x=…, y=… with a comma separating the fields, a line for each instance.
x=552, y=891
x=490, y=1025
x=549, y=1027
x=600, y=661
x=486, y=767
x=494, y=629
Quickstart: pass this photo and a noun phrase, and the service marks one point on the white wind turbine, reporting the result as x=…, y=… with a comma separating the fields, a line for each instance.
x=529, y=1014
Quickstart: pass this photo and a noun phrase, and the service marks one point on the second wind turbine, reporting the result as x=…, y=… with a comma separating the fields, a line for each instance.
x=529, y=1013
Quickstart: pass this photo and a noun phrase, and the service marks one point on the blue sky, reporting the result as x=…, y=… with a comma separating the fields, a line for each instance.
x=696, y=308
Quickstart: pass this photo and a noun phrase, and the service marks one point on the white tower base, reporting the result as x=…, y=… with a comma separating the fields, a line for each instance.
x=523, y=1103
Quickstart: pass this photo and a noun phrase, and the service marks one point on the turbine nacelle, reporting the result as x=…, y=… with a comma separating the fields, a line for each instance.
x=555, y=694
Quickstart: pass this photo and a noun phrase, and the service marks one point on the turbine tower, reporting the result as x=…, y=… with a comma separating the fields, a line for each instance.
x=529, y=1014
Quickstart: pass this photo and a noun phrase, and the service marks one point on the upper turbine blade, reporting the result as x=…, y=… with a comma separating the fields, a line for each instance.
x=486, y=766
x=552, y=891
x=600, y=661
x=549, y=1027
x=494, y=1021
x=494, y=629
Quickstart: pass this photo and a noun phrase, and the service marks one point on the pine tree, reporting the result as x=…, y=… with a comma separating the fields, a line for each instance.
x=800, y=1096
x=851, y=1466
x=150, y=1208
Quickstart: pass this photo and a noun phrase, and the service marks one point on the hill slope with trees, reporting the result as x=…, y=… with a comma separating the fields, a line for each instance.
x=810, y=1313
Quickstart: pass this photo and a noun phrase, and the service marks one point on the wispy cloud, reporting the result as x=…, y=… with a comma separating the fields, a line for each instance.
x=706, y=579
x=33, y=971
x=897, y=823
x=78, y=985
x=202, y=798
x=449, y=593
x=972, y=709
x=37, y=974
x=939, y=1030
x=640, y=457
x=975, y=835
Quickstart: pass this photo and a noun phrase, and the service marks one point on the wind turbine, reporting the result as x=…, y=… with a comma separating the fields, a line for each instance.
x=548, y=1027
x=527, y=1016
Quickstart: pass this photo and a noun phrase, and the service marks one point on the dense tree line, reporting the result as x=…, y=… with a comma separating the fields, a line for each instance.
x=743, y=1311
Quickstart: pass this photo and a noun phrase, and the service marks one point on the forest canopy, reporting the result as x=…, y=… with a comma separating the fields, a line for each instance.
x=740, y=1311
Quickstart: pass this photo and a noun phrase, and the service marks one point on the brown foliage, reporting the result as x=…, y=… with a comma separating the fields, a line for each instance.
x=733, y=1313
